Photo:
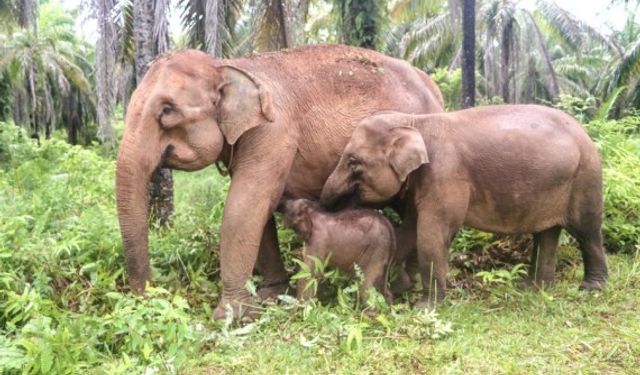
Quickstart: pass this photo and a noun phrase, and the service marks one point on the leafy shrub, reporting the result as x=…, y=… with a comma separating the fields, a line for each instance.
x=619, y=145
x=450, y=84
x=582, y=109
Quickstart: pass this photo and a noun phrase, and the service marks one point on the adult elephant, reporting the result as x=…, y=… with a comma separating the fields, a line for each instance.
x=278, y=121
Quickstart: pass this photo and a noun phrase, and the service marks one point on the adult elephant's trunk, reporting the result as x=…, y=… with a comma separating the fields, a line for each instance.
x=136, y=163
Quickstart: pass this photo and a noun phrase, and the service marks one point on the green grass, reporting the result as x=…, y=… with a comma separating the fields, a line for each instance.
x=62, y=310
x=493, y=331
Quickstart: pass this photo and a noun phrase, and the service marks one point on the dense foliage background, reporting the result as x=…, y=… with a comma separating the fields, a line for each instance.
x=62, y=306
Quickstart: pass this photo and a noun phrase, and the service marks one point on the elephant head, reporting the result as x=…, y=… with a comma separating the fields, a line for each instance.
x=376, y=162
x=179, y=117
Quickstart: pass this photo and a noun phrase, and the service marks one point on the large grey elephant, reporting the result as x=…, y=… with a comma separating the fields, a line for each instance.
x=506, y=169
x=278, y=121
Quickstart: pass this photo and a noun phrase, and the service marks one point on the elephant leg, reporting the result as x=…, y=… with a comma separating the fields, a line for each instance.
x=375, y=275
x=270, y=265
x=595, y=262
x=543, y=257
x=256, y=188
x=439, y=220
x=593, y=256
x=403, y=281
x=405, y=248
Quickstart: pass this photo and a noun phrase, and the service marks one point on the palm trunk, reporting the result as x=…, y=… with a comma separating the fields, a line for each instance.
x=505, y=47
x=213, y=16
x=271, y=34
x=360, y=22
x=149, y=33
x=468, y=53
x=105, y=62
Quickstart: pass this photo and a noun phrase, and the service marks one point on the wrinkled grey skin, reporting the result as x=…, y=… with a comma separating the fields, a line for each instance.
x=348, y=237
x=504, y=169
x=278, y=121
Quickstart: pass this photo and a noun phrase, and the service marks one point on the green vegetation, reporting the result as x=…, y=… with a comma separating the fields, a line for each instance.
x=62, y=306
x=61, y=272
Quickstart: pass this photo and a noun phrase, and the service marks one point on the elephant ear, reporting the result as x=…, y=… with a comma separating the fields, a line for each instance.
x=407, y=151
x=243, y=104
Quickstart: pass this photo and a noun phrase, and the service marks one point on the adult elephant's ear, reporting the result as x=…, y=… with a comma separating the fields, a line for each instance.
x=243, y=104
x=407, y=151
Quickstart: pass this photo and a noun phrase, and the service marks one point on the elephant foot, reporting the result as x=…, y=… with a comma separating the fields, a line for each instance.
x=592, y=284
x=242, y=309
x=273, y=290
x=401, y=285
x=430, y=299
x=425, y=303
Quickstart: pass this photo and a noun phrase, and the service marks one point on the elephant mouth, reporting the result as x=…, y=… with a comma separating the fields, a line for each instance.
x=348, y=199
x=170, y=159
x=165, y=161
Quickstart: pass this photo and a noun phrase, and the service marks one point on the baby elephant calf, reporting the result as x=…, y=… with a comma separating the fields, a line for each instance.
x=355, y=236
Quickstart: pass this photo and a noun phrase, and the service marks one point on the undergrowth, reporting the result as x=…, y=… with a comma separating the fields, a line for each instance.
x=63, y=310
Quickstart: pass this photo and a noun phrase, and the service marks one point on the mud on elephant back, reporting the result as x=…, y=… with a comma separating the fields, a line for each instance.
x=278, y=121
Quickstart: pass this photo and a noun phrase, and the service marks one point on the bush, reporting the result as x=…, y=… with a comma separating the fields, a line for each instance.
x=582, y=109
x=450, y=84
x=619, y=145
x=61, y=266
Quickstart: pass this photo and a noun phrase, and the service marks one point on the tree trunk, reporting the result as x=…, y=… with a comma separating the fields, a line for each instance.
x=272, y=34
x=295, y=15
x=468, y=53
x=149, y=31
x=105, y=62
x=360, y=22
x=213, y=19
x=505, y=49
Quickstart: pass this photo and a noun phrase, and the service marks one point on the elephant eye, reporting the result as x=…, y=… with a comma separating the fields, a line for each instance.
x=166, y=109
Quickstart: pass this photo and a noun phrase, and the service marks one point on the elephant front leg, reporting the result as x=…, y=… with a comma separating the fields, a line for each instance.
x=270, y=266
x=543, y=257
x=405, y=252
x=249, y=206
x=434, y=237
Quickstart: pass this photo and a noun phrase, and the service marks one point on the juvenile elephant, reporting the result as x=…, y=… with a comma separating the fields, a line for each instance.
x=505, y=169
x=278, y=121
x=349, y=237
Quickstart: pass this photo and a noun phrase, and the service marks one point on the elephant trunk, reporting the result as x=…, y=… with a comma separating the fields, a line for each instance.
x=135, y=166
x=337, y=186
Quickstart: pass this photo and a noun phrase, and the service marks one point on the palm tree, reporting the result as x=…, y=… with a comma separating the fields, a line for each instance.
x=360, y=21
x=280, y=24
x=209, y=24
x=526, y=70
x=468, y=53
x=47, y=72
x=105, y=69
x=620, y=84
x=150, y=33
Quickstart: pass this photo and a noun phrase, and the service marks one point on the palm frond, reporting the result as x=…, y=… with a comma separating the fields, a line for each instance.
x=629, y=66
x=436, y=31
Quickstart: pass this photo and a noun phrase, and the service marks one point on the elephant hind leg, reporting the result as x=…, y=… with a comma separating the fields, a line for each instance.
x=585, y=225
x=543, y=257
x=593, y=256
